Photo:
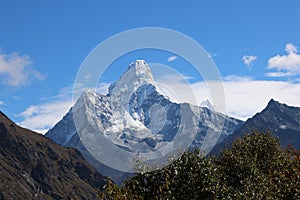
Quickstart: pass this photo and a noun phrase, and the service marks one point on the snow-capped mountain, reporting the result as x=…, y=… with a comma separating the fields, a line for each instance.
x=136, y=118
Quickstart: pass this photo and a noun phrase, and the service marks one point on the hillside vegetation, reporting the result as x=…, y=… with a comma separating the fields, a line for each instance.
x=255, y=167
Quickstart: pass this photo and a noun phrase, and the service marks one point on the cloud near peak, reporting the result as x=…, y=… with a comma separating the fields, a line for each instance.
x=244, y=96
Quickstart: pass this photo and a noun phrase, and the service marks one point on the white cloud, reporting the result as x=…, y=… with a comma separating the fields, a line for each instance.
x=171, y=83
x=173, y=77
x=278, y=74
x=237, y=78
x=15, y=69
x=1, y=102
x=172, y=58
x=211, y=55
x=290, y=49
x=244, y=96
x=286, y=65
x=43, y=116
x=248, y=60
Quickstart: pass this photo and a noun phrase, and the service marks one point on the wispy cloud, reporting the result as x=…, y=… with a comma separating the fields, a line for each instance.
x=1, y=102
x=248, y=60
x=244, y=96
x=43, y=116
x=278, y=74
x=16, y=70
x=237, y=78
x=174, y=78
x=285, y=65
x=172, y=58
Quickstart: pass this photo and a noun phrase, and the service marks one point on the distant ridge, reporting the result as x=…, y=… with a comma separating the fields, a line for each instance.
x=278, y=118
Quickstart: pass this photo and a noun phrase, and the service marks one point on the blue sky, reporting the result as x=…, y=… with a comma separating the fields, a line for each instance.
x=43, y=43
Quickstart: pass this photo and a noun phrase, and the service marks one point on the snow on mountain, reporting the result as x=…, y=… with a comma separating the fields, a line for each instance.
x=137, y=74
x=206, y=104
x=135, y=117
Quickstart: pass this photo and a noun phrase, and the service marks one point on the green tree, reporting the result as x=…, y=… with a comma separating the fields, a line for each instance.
x=190, y=177
x=255, y=167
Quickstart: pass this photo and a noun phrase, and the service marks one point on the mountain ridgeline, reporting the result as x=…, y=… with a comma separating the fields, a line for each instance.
x=280, y=119
x=137, y=118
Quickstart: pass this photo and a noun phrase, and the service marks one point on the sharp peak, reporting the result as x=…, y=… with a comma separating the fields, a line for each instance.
x=139, y=65
x=207, y=104
x=276, y=104
x=273, y=102
x=206, y=101
x=88, y=92
x=138, y=73
x=88, y=95
x=139, y=68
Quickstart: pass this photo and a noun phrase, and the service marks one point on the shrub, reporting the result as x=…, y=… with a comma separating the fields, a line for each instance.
x=254, y=168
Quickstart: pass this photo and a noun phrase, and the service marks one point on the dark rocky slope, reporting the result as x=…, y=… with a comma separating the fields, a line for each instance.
x=280, y=119
x=34, y=167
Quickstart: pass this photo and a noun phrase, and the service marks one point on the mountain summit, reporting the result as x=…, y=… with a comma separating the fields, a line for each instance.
x=136, y=118
x=278, y=118
x=137, y=74
x=206, y=104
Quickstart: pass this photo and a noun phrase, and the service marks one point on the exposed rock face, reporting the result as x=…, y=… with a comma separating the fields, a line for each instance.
x=280, y=119
x=136, y=117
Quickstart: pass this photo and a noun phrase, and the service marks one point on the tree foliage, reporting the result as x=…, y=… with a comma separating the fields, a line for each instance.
x=255, y=167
